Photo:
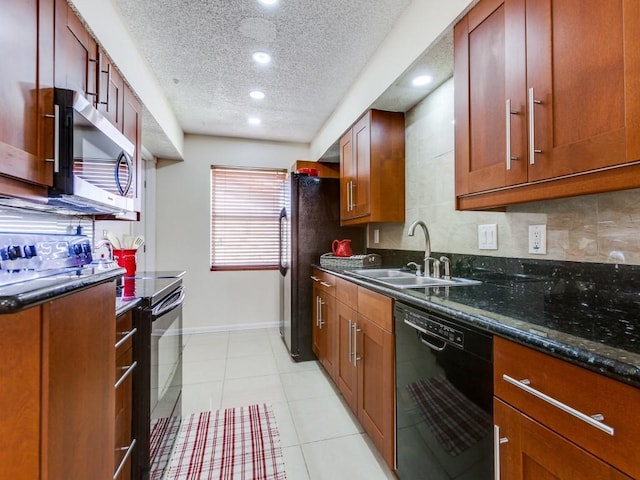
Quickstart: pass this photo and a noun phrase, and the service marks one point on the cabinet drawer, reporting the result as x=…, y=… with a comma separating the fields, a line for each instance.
x=324, y=281
x=346, y=292
x=567, y=388
x=376, y=307
x=124, y=338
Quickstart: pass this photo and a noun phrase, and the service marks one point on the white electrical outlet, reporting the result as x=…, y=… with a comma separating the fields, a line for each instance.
x=376, y=235
x=488, y=237
x=538, y=239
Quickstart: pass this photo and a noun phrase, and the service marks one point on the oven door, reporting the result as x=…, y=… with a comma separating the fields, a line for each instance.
x=166, y=378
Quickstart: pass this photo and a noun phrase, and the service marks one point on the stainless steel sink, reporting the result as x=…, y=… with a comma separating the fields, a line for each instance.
x=383, y=273
x=397, y=278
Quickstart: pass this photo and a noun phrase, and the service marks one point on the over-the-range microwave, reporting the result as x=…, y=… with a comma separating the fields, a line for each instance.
x=94, y=167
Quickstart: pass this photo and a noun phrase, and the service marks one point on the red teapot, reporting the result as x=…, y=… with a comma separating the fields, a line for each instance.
x=341, y=248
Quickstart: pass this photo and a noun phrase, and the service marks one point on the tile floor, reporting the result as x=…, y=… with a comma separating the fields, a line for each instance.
x=320, y=437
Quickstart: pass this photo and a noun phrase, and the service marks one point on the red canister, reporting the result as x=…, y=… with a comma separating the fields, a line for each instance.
x=126, y=258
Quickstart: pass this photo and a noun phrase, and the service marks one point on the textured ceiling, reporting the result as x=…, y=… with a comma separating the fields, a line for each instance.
x=200, y=52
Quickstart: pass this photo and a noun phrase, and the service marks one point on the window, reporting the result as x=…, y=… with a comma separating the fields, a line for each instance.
x=245, y=217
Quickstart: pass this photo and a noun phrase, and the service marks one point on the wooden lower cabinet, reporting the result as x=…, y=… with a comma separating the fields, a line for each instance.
x=324, y=325
x=347, y=370
x=124, y=442
x=531, y=451
x=543, y=437
x=365, y=364
x=57, y=395
x=376, y=406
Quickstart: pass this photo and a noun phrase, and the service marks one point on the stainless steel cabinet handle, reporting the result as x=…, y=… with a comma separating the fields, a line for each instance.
x=56, y=138
x=349, y=196
x=315, y=279
x=593, y=420
x=532, y=126
x=124, y=459
x=353, y=204
x=355, y=343
x=129, y=371
x=509, y=112
x=325, y=284
x=320, y=303
x=125, y=336
x=350, y=340
x=317, y=311
x=497, y=441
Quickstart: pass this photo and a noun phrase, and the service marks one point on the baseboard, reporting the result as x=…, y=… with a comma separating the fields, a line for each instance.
x=229, y=328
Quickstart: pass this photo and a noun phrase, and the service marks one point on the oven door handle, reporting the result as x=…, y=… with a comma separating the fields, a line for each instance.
x=173, y=301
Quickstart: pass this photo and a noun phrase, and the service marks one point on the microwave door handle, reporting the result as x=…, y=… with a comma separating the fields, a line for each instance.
x=129, y=163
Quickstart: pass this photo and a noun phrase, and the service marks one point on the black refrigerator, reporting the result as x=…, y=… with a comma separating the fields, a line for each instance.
x=309, y=223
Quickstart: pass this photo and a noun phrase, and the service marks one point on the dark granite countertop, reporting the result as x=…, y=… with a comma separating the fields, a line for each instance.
x=598, y=330
x=33, y=292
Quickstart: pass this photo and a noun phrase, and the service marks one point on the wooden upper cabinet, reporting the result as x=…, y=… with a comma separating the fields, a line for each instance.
x=347, y=175
x=76, y=54
x=546, y=92
x=110, y=90
x=26, y=97
x=372, y=169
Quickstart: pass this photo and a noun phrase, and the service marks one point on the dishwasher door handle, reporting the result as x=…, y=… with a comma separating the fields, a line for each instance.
x=424, y=342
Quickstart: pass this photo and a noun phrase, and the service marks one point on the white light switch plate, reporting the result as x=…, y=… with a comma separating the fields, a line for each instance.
x=538, y=239
x=488, y=237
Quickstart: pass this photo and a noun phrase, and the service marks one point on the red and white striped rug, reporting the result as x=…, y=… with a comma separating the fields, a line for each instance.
x=233, y=444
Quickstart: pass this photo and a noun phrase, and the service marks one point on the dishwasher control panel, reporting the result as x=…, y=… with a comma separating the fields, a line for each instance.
x=429, y=324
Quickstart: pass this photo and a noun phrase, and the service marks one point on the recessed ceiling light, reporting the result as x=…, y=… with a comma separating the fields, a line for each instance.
x=256, y=94
x=269, y=2
x=421, y=80
x=262, y=57
x=254, y=121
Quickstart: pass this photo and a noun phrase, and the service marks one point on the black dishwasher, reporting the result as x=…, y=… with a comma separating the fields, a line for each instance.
x=444, y=391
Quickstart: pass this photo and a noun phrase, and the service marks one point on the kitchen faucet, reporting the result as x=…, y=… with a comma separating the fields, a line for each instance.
x=427, y=248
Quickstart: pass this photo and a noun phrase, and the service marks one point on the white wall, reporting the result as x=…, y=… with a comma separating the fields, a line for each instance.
x=215, y=300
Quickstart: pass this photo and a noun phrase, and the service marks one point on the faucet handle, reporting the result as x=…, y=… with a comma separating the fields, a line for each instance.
x=418, y=268
x=447, y=267
x=436, y=267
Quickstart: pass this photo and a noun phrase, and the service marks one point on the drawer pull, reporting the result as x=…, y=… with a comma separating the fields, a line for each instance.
x=129, y=449
x=595, y=420
x=325, y=284
x=129, y=371
x=314, y=278
x=126, y=336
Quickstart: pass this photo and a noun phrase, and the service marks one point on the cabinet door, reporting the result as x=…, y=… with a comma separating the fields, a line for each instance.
x=110, y=91
x=79, y=378
x=20, y=370
x=577, y=69
x=327, y=332
x=531, y=451
x=76, y=54
x=489, y=71
x=26, y=98
x=347, y=175
x=132, y=129
x=346, y=370
x=361, y=189
x=374, y=355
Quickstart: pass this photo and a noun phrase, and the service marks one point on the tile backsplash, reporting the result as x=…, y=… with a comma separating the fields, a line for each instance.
x=602, y=228
x=22, y=220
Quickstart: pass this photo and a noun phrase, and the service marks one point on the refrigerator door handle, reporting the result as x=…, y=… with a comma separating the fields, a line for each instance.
x=284, y=220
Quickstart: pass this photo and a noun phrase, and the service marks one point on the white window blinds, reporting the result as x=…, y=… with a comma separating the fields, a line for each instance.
x=245, y=211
